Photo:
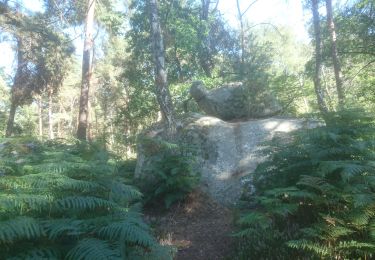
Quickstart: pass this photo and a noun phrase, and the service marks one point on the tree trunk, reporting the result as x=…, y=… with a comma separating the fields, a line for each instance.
x=59, y=132
x=40, y=116
x=205, y=57
x=50, y=120
x=242, y=38
x=318, y=59
x=10, y=124
x=86, y=72
x=15, y=99
x=161, y=84
x=334, y=54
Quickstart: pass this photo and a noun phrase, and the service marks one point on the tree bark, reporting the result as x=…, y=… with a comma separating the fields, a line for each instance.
x=59, y=132
x=51, y=134
x=10, y=124
x=15, y=102
x=242, y=38
x=40, y=116
x=161, y=84
x=86, y=72
x=318, y=58
x=334, y=54
x=205, y=57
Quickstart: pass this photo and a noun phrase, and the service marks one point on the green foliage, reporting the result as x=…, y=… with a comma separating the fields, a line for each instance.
x=60, y=201
x=315, y=195
x=171, y=174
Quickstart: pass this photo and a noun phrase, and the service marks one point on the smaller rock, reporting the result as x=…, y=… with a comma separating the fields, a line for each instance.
x=234, y=101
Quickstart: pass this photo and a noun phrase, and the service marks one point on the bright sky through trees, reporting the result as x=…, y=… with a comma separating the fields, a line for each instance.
x=278, y=12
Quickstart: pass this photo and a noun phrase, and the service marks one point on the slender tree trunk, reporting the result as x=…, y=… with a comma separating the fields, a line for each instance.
x=40, y=116
x=327, y=91
x=51, y=134
x=318, y=59
x=86, y=72
x=334, y=54
x=242, y=38
x=73, y=118
x=205, y=57
x=15, y=89
x=161, y=84
x=302, y=85
x=59, y=132
x=10, y=124
x=179, y=67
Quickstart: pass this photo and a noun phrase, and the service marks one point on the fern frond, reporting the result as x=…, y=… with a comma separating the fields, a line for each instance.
x=127, y=231
x=93, y=249
x=255, y=218
x=62, y=227
x=359, y=219
x=48, y=180
x=83, y=203
x=246, y=232
x=124, y=192
x=24, y=201
x=19, y=228
x=336, y=232
x=347, y=169
x=290, y=193
x=303, y=244
x=315, y=183
x=356, y=245
x=363, y=199
x=372, y=229
x=37, y=254
x=56, y=166
x=155, y=252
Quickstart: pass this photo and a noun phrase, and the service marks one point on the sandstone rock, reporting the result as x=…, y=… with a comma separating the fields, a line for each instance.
x=227, y=152
x=234, y=101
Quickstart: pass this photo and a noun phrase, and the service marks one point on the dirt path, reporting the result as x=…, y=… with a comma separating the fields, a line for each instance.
x=199, y=228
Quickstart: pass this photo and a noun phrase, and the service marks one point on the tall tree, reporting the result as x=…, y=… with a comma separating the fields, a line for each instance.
x=86, y=71
x=161, y=83
x=334, y=54
x=19, y=90
x=41, y=56
x=318, y=58
x=240, y=15
x=51, y=134
x=205, y=53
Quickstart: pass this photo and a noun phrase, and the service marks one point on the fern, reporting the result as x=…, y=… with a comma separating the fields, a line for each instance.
x=317, y=189
x=127, y=230
x=170, y=176
x=21, y=202
x=58, y=228
x=38, y=253
x=67, y=201
x=19, y=228
x=93, y=249
x=83, y=203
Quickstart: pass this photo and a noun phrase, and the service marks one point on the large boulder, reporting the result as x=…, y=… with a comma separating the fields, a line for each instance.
x=234, y=101
x=227, y=153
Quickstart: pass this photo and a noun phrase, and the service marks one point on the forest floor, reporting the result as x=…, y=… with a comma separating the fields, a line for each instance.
x=198, y=227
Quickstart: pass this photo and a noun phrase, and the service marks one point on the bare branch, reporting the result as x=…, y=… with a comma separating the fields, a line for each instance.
x=247, y=9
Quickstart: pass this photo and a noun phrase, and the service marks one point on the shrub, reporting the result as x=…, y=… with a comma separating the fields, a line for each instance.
x=171, y=174
x=68, y=202
x=315, y=195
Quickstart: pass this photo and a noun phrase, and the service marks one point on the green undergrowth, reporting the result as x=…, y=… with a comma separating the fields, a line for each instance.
x=61, y=201
x=170, y=174
x=315, y=195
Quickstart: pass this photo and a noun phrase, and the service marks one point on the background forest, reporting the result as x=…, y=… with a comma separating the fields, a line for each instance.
x=69, y=124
